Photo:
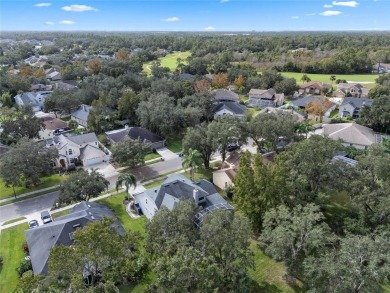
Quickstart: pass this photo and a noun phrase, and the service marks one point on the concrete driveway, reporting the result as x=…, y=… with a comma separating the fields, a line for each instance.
x=106, y=169
x=166, y=154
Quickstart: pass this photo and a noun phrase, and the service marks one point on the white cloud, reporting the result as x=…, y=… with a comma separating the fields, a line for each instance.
x=49, y=23
x=330, y=13
x=42, y=4
x=224, y=1
x=172, y=19
x=209, y=28
x=67, y=22
x=78, y=8
x=346, y=3
x=295, y=17
x=328, y=6
x=310, y=14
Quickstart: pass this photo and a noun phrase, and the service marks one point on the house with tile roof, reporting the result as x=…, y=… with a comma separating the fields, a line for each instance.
x=136, y=133
x=315, y=88
x=84, y=149
x=350, y=107
x=41, y=239
x=177, y=188
x=260, y=98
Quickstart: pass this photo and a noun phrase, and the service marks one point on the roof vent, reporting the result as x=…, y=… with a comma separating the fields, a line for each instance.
x=155, y=190
x=76, y=225
x=71, y=235
x=88, y=206
x=92, y=217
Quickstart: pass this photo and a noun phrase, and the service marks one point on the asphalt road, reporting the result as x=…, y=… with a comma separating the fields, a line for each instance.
x=45, y=202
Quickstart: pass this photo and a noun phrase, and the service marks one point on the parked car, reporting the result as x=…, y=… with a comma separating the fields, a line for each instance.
x=232, y=147
x=33, y=224
x=46, y=218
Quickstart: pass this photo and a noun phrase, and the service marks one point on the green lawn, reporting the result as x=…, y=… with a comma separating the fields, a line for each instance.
x=11, y=241
x=326, y=77
x=175, y=144
x=200, y=173
x=56, y=215
x=13, y=221
x=115, y=203
x=268, y=275
x=169, y=60
x=48, y=181
x=152, y=156
x=155, y=183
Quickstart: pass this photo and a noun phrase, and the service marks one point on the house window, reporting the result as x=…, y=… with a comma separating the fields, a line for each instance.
x=70, y=152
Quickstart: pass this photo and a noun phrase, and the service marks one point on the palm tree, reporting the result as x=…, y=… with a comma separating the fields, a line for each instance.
x=332, y=78
x=192, y=160
x=128, y=179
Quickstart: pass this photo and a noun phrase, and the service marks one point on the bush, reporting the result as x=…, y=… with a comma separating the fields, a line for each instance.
x=1, y=261
x=24, y=266
x=25, y=248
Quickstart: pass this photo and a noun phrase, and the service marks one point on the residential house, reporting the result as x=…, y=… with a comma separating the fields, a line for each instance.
x=176, y=188
x=225, y=95
x=355, y=90
x=84, y=149
x=351, y=134
x=229, y=108
x=264, y=98
x=136, y=133
x=186, y=76
x=52, y=74
x=350, y=107
x=301, y=116
x=303, y=102
x=34, y=99
x=81, y=115
x=381, y=68
x=41, y=87
x=315, y=88
x=51, y=124
x=65, y=85
x=42, y=239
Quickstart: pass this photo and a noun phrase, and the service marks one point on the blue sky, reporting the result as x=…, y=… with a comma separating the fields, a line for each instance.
x=198, y=15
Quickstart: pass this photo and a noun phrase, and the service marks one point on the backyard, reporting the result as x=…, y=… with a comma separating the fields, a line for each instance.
x=170, y=61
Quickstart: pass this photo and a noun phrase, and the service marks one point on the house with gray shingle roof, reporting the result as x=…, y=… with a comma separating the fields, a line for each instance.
x=81, y=114
x=84, y=148
x=177, y=188
x=136, y=133
x=355, y=90
x=350, y=107
x=41, y=239
x=225, y=95
x=34, y=99
x=260, y=98
x=229, y=108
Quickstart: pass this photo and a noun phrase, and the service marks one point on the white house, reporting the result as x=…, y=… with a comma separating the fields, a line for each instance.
x=34, y=99
x=84, y=149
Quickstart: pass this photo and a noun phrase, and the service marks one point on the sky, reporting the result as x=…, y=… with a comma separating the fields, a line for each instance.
x=194, y=15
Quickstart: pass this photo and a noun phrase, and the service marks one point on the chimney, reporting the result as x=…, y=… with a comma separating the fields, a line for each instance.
x=195, y=195
x=85, y=108
x=126, y=126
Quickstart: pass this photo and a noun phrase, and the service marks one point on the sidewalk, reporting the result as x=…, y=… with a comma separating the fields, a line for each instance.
x=29, y=193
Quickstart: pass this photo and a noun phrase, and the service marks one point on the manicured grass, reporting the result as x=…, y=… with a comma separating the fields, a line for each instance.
x=268, y=275
x=169, y=60
x=11, y=241
x=200, y=173
x=326, y=77
x=13, y=200
x=155, y=183
x=13, y=221
x=48, y=181
x=56, y=215
x=115, y=203
x=152, y=156
x=175, y=144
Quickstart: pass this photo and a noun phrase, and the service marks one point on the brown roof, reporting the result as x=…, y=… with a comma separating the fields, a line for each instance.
x=315, y=84
x=234, y=158
x=53, y=123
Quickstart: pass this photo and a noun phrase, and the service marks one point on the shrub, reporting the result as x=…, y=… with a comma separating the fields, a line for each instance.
x=24, y=266
x=1, y=261
x=25, y=248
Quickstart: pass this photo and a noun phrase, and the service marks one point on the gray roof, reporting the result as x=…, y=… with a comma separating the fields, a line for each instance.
x=233, y=107
x=226, y=95
x=265, y=94
x=82, y=138
x=302, y=102
x=134, y=133
x=350, y=133
x=82, y=112
x=345, y=160
x=90, y=152
x=28, y=98
x=186, y=76
x=357, y=102
x=178, y=187
x=60, y=232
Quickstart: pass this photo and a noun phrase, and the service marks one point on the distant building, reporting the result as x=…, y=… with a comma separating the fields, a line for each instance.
x=355, y=90
x=315, y=88
x=381, y=68
x=34, y=99
x=350, y=107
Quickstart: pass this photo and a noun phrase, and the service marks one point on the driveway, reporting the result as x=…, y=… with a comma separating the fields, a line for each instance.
x=147, y=172
x=166, y=153
x=106, y=169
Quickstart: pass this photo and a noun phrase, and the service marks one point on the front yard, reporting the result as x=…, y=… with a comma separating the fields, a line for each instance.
x=175, y=144
x=48, y=181
x=11, y=241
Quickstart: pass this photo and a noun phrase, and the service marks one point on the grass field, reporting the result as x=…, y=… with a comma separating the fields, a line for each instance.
x=13, y=221
x=326, y=77
x=169, y=61
x=152, y=156
x=52, y=180
x=175, y=144
x=11, y=241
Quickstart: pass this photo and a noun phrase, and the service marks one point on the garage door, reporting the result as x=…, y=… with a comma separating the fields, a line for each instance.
x=93, y=161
